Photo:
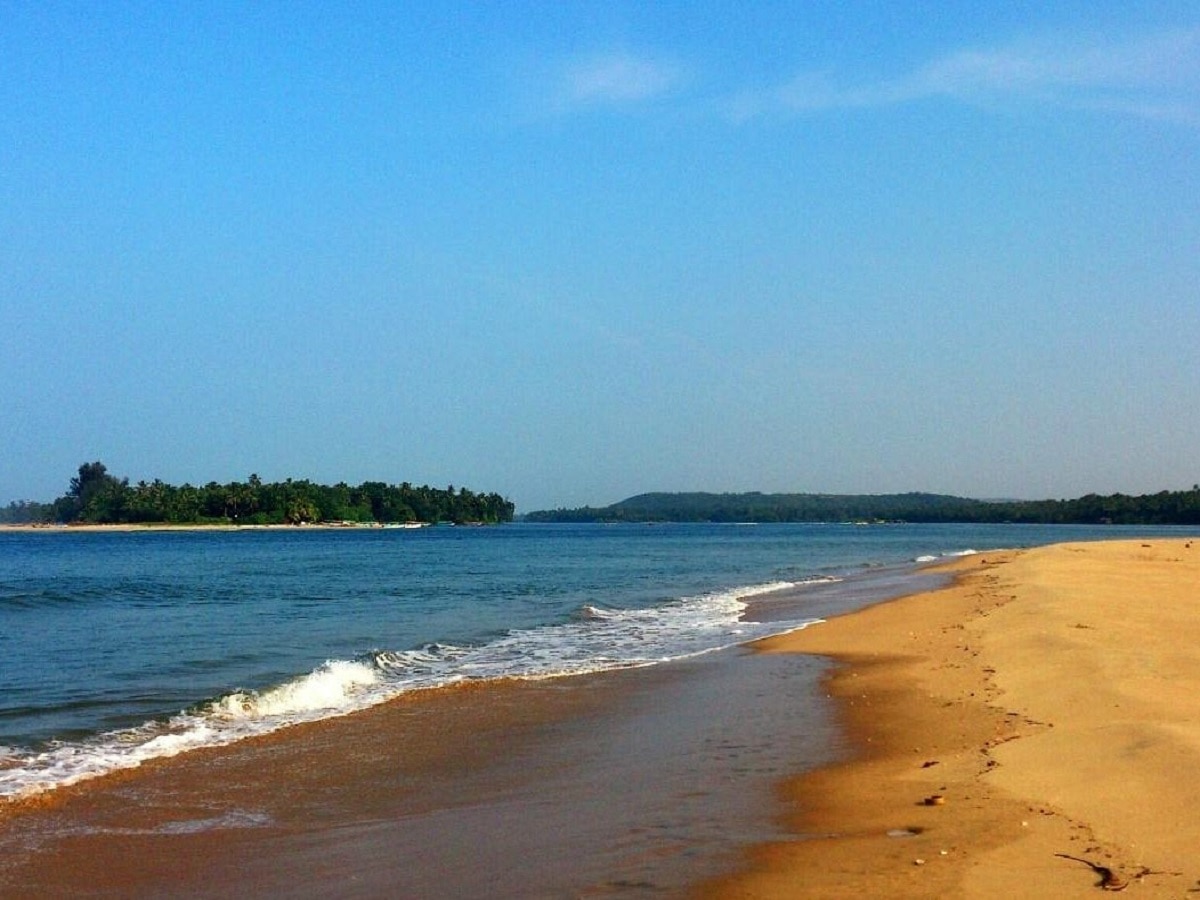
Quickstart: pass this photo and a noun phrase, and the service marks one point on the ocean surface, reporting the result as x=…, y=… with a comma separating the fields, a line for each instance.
x=118, y=647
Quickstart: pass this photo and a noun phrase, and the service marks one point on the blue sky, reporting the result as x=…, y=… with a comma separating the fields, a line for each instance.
x=572, y=252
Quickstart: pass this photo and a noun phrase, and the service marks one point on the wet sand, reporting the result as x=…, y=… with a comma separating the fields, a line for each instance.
x=1032, y=731
x=608, y=786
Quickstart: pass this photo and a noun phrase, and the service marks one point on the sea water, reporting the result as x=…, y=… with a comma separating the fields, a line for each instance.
x=118, y=647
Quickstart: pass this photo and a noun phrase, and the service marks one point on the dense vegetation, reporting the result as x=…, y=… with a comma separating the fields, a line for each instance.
x=1164, y=508
x=96, y=497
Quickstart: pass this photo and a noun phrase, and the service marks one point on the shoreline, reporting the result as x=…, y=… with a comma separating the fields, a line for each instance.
x=625, y=781
x=1020, y=733
x=58, y=528
x=600, y=785
x=30, y=773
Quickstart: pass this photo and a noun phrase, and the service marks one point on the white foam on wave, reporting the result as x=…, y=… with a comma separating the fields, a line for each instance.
x=598, y=639
x=949, y=554
x=234, y=819
x=328, y=687
x=230, y=820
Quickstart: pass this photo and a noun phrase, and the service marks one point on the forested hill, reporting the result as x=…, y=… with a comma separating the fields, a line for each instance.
x=1164, y=508
x=97, y=497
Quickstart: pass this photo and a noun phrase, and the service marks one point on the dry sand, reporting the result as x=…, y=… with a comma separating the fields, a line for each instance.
x=1031, y=731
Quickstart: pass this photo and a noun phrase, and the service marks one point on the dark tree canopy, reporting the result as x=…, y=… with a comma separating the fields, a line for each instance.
x=96, y=497
x=1164, y=508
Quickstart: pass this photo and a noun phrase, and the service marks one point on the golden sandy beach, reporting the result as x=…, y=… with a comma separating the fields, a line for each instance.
x=1032, y=731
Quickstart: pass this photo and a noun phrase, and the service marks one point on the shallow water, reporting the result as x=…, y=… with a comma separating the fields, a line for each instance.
x=620, y=785
x=120, y=647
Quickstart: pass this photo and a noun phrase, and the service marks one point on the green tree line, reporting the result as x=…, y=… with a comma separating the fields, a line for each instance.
x=1163, y=508
x=97, y=497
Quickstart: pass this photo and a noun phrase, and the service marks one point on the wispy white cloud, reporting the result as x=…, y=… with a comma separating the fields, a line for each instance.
x=1155, y=76
x=616, y=79
x=1157, y=62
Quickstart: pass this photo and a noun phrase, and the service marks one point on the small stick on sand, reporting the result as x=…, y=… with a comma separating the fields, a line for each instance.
x=1109, y=880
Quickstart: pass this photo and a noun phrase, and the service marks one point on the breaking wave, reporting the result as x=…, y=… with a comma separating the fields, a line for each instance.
x=595, y=639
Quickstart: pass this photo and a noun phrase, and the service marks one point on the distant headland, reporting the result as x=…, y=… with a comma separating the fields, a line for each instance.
x=1164, y=508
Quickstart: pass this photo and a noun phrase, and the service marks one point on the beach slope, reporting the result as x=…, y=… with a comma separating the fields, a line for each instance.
x=1031, y=731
